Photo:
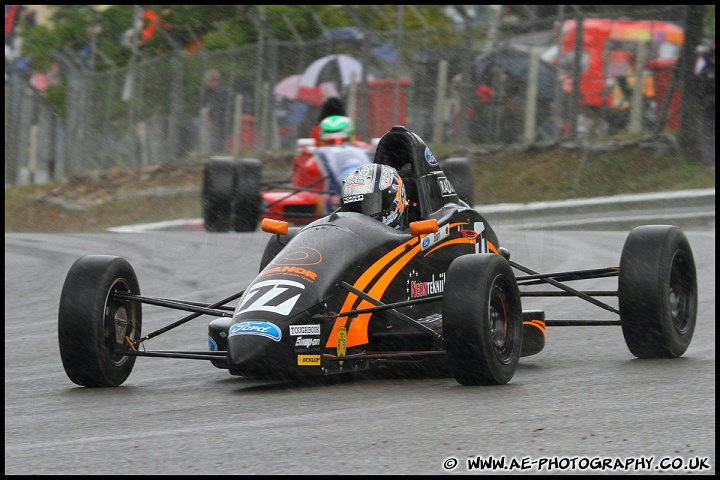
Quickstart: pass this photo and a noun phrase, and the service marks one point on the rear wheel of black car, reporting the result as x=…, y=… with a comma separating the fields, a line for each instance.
x=246, y=202
x=217, y=194
x=657, y=292
x=92, y=323
x=482, y=319
x=459, y=173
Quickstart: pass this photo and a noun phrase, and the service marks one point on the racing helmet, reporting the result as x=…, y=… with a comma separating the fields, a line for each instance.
x=377, y=191
x=336, y=129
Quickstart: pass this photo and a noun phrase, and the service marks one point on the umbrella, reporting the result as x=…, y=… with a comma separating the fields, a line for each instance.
x=516, y=63
x=289, y=86
x=339, y=69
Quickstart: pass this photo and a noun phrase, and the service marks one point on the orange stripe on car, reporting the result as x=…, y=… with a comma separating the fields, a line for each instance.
x=457, y=224
x=539, y=324
x=455, y=241
x=447, y=243
x=362, y=283
x=492, y=247
x=358, y=331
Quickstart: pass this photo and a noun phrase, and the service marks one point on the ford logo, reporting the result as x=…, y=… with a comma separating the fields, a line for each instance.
x=264, y=329
x=430, y=158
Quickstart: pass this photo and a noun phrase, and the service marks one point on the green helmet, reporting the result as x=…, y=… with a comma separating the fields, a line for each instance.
x=336, y=129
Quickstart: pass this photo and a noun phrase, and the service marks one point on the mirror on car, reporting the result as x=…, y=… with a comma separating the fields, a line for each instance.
x=275, y=226
x=423, y=226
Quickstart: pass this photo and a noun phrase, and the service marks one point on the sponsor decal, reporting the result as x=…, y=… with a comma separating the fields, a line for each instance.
x=430, y=158
x=296, y=330
x=307, y=342
x=301, y=272
x=308, y=360
x=212, y=344
x=298, y=256
x=355, y=183
x=341, y=342
x=386, y=177
x=275, y=296
x=446, y=188
x=432, y=238
x=263, y=329
x=420, y=289
x=353, y=198
x=363, y=181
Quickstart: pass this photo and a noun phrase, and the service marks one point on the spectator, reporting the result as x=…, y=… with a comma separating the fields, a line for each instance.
x=53, y=75
x=22, y=63
x=217, y=101
x=707, y=104
x=244, y=86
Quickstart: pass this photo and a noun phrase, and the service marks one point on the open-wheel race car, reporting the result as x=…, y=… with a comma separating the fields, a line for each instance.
x=236, y=197
x=347, y=293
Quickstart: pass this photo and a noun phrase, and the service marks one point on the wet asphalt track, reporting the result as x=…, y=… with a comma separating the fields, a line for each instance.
x=584, y=397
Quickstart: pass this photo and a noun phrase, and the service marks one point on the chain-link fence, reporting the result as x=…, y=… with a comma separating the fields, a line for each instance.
x=164, y=109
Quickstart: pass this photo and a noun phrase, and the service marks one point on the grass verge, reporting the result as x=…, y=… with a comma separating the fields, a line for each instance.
x=94, y=203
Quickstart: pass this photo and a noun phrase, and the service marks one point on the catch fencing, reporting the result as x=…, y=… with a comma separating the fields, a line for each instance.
x=157, y=110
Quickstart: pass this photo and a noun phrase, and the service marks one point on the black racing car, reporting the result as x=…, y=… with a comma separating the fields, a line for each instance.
x=347, y=293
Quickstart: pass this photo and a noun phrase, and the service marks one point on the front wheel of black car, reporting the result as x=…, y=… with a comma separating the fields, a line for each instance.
x=482, y=319
x=657, y=292
x=92, y=323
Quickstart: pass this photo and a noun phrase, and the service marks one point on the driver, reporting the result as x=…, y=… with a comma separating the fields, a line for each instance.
x=377, y=191
x=336, y=154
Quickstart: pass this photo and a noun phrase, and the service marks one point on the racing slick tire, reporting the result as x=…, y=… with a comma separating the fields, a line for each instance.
x=482, y=319
x=274, y=245
x=217, y=193
x=246, y=201
x=657, y=292
x=91, y=322
x=458, y=171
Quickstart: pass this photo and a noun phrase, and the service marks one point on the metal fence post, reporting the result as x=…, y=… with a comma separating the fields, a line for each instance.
x=531, y=98
x=438, y=134
x=237, y=126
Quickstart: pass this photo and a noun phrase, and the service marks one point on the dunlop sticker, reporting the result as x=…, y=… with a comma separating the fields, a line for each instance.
x=309, y=360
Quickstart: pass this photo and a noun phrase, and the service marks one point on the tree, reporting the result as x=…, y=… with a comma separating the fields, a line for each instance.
x=213, y=27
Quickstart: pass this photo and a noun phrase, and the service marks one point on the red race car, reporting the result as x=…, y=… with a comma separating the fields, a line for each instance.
x=236, y=198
